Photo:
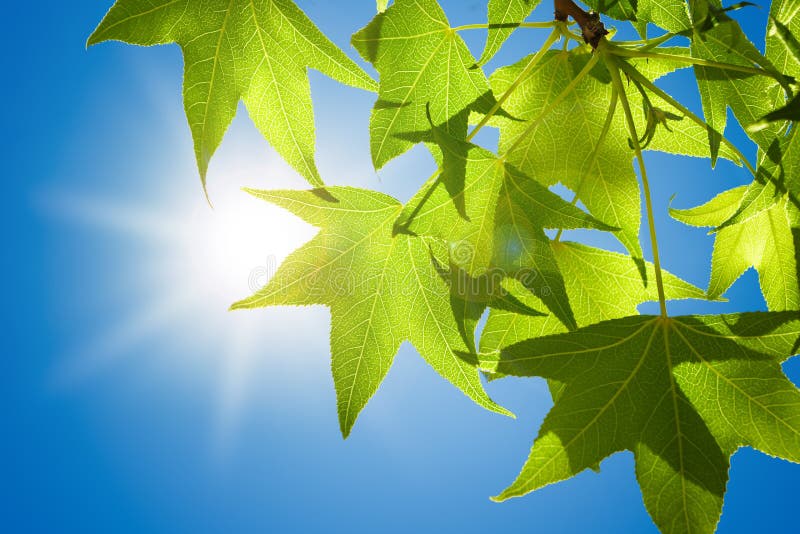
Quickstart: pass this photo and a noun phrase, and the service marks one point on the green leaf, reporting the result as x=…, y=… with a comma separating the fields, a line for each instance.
x=503, y=16
x=779, y=163
x=382, y=5
x=426, y=69
x=571, y=143
x=776, y=178
x=471, y=295
x=707, y=14
x=763, y=241
x=750, y=96
x=617, y=9
x=783, y=48
x=671, y=15
x=682, y=394
x=493, y=218
x=381, y=289
x=601, y=285
x=789, y=112
x=254, y=50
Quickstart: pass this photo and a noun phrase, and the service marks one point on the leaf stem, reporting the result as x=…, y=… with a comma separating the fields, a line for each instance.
x=627, y=52
x=636, y=75
x=646, y=44
x=612, y=108
x=552, y=38
x=623, y=97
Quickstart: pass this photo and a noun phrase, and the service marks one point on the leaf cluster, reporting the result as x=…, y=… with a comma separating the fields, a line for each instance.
x=485, y=230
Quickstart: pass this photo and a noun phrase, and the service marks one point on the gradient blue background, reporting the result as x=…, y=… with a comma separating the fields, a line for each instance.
x=139, y=443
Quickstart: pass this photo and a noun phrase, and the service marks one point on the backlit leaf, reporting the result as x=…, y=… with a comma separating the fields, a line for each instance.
x=503, y=15
x=427, y=73
x=763, y=241
x=568, y=145
x=682, y=394
x=382, y=290
x=257, y=51
x=601, y=285
x=493, y=217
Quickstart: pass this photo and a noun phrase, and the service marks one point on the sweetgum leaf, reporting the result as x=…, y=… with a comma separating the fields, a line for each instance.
x=502, y=16
x=471, y=295
x=750, y=96
x=254, y=50
x=776, y=178
x=763, y=241
x=783, y=47
x=618, y=9
x=682, y=394
x=493, y=217
x=672, y=15
x=789, y=112
x=601, y=285
x=779, y=162
x=567, y=145
x=427, y=73
x=381, y=289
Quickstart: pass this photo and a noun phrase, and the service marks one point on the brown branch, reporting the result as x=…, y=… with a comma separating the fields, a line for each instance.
x=591, y=27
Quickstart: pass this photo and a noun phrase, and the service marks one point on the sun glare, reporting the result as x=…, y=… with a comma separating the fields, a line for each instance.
x=198, y=261
x=233, y=249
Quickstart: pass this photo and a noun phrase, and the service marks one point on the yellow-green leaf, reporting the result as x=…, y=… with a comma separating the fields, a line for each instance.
x=257, y=51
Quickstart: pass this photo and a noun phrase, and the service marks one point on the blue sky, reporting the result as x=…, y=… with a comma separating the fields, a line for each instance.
x=136, y=402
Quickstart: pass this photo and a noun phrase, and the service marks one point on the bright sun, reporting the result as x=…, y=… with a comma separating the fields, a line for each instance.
x=233, y=249
x=197, y=262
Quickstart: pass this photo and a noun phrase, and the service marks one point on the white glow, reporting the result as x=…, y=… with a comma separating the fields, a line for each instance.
x=230, y=251
x=177, y=265
x=198, y=262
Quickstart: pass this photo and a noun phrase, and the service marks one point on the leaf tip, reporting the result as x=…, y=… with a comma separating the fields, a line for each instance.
x=95, y=37
x=499, y=498
x=208, y=198
x=203, y=160
x=570, y=322
x=715, y=296
x=243, y=304
x=346, y=424
x=496, y=408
